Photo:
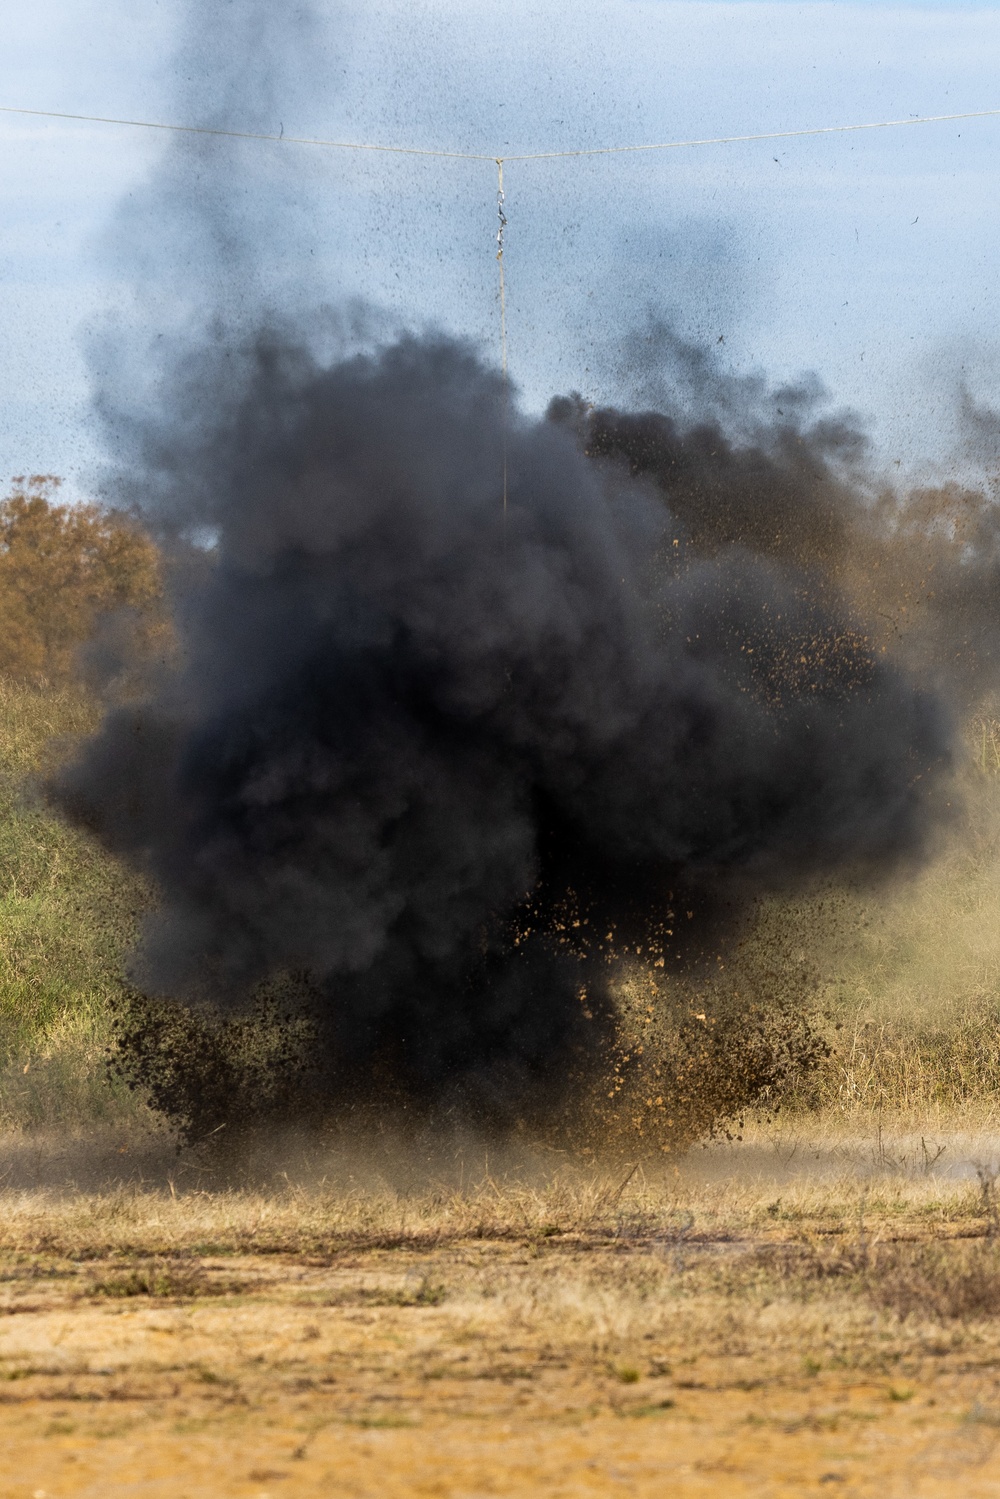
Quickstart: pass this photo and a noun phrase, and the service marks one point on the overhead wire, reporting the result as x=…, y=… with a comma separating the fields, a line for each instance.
x=243, y=135
x=767, y=135
x=500, y=161
x=304, y=140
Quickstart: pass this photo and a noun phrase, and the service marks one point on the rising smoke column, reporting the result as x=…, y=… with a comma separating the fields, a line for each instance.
x=406, y=728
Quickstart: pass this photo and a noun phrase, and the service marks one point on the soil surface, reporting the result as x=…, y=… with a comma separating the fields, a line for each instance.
x=394, y=1372
x=707, y=1333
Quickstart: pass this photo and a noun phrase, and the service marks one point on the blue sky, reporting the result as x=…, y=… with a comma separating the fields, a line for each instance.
x=870, y=260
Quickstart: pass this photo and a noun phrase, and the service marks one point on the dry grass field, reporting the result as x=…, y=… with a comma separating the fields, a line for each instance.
x=805, y=1311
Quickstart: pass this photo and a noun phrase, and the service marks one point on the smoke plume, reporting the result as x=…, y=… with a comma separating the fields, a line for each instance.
x=465, y=700
x=411, y=728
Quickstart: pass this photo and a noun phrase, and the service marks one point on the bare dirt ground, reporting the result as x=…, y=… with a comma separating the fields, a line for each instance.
x=790, y=1315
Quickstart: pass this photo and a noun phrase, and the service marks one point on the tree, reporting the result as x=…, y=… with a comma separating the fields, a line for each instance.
x=62, y=568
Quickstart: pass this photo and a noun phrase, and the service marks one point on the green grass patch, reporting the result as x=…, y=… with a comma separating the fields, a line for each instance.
x=68, y=913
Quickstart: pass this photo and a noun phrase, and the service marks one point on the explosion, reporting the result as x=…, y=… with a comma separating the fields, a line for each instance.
x=486, y=734
x=425, y=761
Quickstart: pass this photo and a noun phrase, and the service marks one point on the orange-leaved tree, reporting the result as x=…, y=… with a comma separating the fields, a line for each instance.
x=62, y=568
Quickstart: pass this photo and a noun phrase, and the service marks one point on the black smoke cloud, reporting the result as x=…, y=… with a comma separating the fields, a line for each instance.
x=409, y=729
x=773, y=472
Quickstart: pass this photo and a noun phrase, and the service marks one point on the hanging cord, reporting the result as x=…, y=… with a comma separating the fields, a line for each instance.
x=501, y=226
x=502, y=217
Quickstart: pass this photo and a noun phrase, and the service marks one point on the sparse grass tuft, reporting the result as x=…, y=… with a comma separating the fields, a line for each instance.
x=937, y=1282
x=161, y=1278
